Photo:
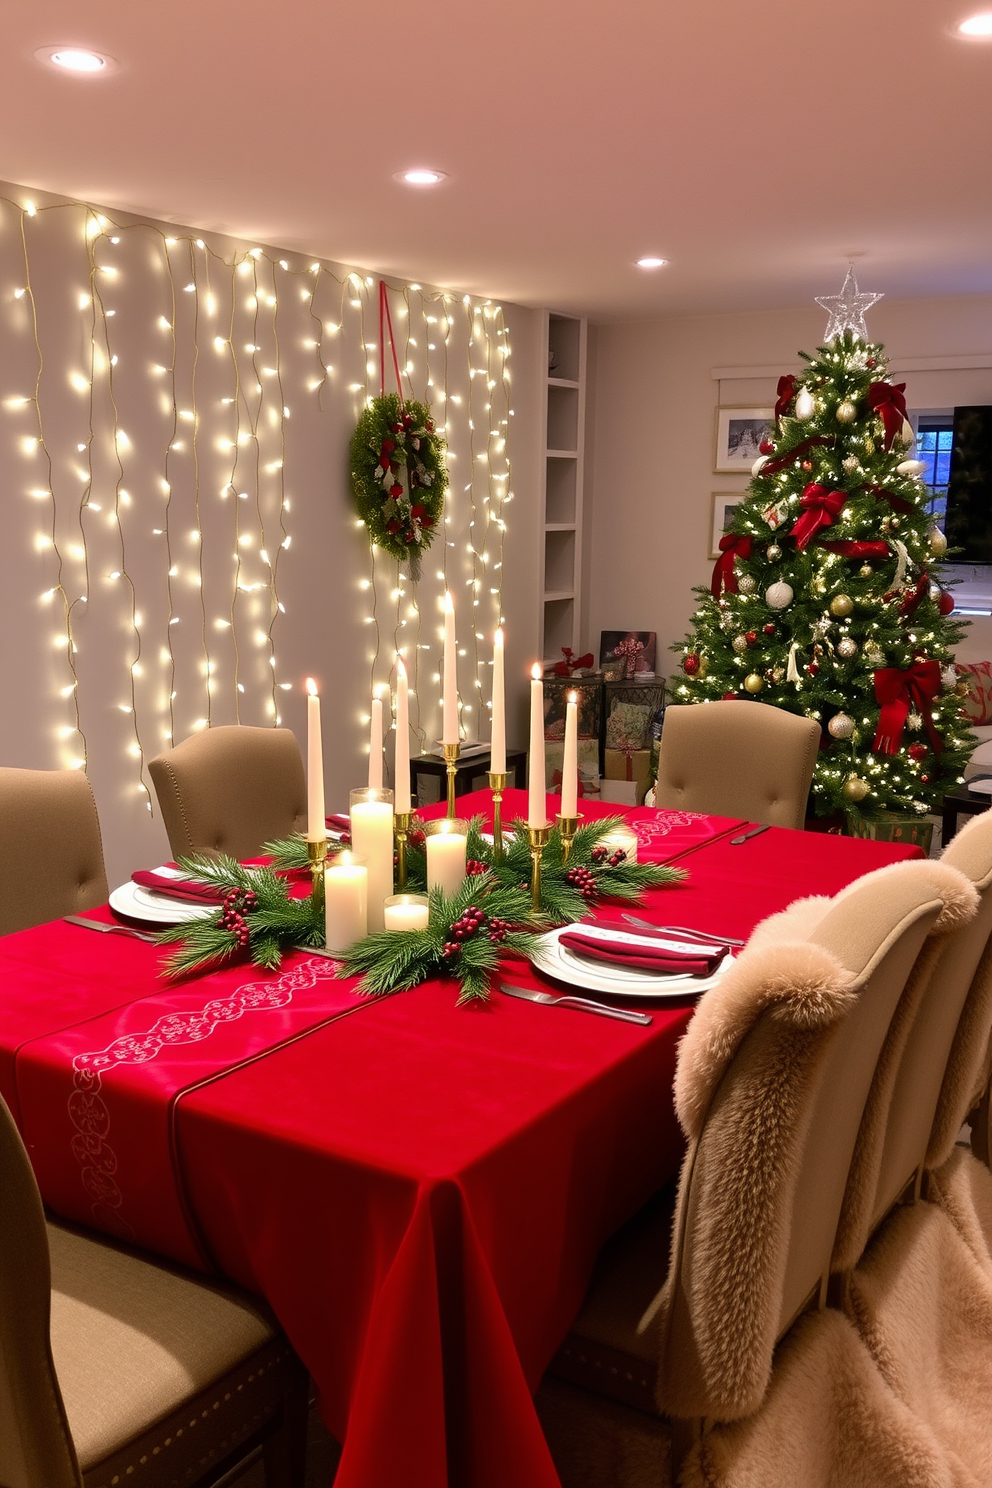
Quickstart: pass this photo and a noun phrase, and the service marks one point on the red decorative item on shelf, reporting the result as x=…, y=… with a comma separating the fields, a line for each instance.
x=556, y=785
x=572, y=663
x=628, y=652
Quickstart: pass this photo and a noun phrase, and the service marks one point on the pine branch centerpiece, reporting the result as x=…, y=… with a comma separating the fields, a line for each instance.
x=467, y=932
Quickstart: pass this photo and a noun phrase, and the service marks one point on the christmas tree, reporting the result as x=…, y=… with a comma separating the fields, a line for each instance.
x=827, y=597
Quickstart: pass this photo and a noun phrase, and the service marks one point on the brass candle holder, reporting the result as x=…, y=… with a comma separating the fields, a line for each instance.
x=317, y=854
x=497, y=784
x=538, y=839
x=401, y=825
x=451, y=752
x=567, y=826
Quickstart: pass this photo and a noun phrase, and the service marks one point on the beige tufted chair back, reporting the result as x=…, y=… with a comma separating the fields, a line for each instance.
x=230, y=789
x=51, y=852
x=737, y=759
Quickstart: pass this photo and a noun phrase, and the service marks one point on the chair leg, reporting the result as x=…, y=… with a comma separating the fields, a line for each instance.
x=284, y=1450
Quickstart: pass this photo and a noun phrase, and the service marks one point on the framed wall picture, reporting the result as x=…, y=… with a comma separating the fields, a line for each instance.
x=739, y=432
x=724, y=504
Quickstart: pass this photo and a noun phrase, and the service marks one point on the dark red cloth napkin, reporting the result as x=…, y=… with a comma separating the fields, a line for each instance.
x=339, y=821
x=178, y=888
x=644, y=957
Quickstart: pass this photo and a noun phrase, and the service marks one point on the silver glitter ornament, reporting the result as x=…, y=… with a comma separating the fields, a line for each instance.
x=739, y=644
x=847, y=648
x=773, y=553
x=747, y=584
x=841, y=726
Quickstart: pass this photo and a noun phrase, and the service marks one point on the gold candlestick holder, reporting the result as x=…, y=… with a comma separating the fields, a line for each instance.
x=451, y=752
x=317, y=854
x=538, y=839
x=567, y=826
x=497, y=784
x=401, y=823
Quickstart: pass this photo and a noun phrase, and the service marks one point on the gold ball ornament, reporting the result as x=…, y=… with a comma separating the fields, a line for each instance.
x=739, y=644
x=847, y=648
x=846, y=412
x=841, y=605
x=938, y=542
x=704, y=666
x=747, y=584
x=854, y=788
x=961, y=688
x=850, y=463
x=869, y=446
x=866, y=570
x=773, y=552
x=841, y=726
x=753, y=683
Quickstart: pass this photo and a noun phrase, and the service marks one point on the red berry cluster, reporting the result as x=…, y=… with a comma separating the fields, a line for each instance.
x=583, y=881
x=237, y=904
x=474, y=867
x=602, y=855
x=416, y=838
x=471, y=920
x=599, y=854
x=498, y=930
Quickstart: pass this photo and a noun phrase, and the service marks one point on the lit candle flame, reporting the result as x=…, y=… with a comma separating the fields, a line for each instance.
x=536, y=671
x=311, y=687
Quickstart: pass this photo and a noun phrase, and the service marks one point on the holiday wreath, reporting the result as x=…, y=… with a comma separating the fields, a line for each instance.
x=398, y=476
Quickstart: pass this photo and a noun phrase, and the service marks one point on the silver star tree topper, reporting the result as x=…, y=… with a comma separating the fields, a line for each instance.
x=847, y=310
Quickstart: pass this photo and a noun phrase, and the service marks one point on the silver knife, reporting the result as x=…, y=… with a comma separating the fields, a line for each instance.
x=665, y=932
x=754, y=832
x=109, y=929
x=581, y=1004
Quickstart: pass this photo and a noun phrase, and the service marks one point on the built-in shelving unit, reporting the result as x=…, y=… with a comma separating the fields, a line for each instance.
x=564, y=438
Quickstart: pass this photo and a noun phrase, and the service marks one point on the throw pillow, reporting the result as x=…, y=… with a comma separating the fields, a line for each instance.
x=977, y=703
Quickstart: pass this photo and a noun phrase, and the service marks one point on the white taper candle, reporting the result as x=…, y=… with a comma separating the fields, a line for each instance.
x=537, y=805
x=375, y=745
x=497, y=762
x=570, y=758
x=449, y=729
x=401, y=758
x=316, y=828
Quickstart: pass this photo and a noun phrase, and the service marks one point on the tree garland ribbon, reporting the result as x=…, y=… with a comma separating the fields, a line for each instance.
x=895, y=692
x=772, y=466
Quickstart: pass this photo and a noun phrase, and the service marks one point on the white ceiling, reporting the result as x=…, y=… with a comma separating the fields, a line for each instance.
x=755, y=144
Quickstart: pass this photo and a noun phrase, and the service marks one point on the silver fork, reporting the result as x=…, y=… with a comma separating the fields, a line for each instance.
x=581, y=1004
x=681, y=930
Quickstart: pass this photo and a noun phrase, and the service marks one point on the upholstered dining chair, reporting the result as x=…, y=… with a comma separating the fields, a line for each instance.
x=772, y=1078
x=117, y=1369
x=737, y=759
x=51, y=852
x=230, y=789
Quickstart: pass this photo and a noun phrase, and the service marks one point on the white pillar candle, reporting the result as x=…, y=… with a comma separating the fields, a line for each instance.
x=497, y=761
x=346, y=891
x=446, y=852
x=449, y=729
x=537, y=805
x=401, y=758
x=570, y=759
x=375, y=745
x=372, y=839
x=407, y=912
x=316, y=827
x=620, y=837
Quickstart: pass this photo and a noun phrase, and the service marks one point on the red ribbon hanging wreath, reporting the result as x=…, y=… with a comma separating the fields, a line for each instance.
x=786, y=391
x=732, y=546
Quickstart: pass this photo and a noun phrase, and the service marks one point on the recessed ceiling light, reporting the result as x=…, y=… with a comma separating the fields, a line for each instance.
x=76, y=59
x=651, y=262
x=421, y=176
x=976, y=27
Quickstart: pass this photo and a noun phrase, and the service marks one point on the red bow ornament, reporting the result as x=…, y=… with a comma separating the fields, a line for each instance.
x=732, y=546
x=888, y=401
x=785, y=393
x=896, y=692
x=820, y=507
x=572, y=663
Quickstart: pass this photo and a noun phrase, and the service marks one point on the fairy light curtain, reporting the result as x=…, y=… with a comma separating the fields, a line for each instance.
x=174, y=417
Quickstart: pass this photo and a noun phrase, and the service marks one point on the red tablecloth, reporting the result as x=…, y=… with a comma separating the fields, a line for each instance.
x=418, y=1190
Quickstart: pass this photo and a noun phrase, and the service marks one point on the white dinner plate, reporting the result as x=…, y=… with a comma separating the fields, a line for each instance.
x=564, y=965
x=157, y=909
x=982, y=787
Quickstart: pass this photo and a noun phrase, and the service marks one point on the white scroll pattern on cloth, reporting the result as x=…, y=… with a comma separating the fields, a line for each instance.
x=665, y=822
x=88, y=1111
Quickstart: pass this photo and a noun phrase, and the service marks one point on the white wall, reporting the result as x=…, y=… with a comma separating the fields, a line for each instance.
x=112, y=504
x=652, y=423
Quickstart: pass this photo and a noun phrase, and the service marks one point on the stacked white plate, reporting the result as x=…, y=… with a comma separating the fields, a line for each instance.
x=577, y=970
x=136, y=903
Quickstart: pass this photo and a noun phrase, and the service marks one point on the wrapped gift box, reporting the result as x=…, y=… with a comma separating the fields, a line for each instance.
x=634, y=768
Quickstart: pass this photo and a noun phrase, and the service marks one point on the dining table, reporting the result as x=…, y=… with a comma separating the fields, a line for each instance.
x=418, y=1189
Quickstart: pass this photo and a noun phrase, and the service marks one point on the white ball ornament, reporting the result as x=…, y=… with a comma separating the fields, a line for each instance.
x=805, y=405
x=847, y=648
x=779, y=596
x=841, y=726
x=910, y=467
x=846, y=412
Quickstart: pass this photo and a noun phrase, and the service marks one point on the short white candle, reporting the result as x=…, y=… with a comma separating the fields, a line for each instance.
x=449, y=730
x=372, y=839
x=406, y=912
x=401, y=758
x=537, y=804
x=446, y=851
x=620, y=837
x=570, y=759
x=375, y=744
x=316, y=827
x=346, y=893
x=497, y=761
